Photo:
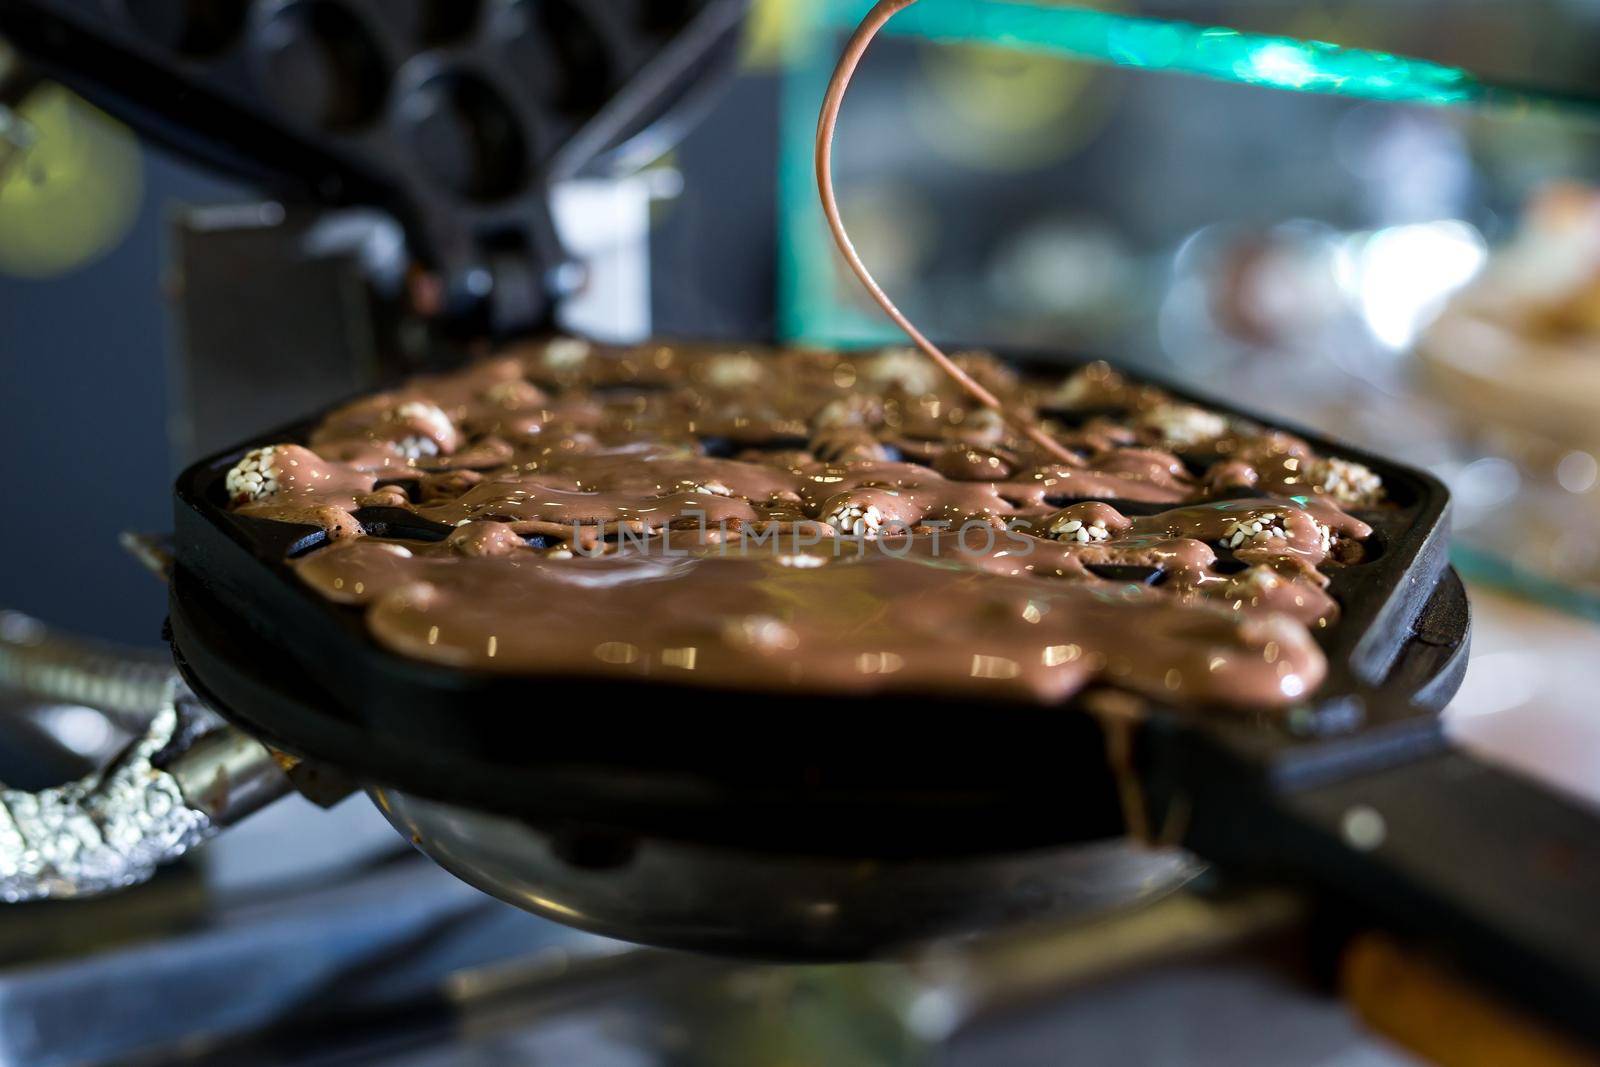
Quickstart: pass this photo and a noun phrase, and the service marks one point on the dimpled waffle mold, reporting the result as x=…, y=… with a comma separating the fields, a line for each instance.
x=454, y=114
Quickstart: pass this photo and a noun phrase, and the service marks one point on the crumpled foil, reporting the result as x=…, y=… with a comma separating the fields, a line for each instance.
x=107, y=831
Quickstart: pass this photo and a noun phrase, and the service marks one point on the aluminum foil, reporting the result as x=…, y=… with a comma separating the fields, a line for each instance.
x=103, y=832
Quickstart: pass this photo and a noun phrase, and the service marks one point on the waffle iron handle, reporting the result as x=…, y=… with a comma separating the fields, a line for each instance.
x=1483, y=868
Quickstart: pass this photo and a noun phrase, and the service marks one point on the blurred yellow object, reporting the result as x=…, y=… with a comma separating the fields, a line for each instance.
x=996, y=108
x=72, y=194
x=774, y=29
x=1443, y=1017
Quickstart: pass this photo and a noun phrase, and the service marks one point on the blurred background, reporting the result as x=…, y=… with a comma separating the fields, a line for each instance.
x=1412, y=264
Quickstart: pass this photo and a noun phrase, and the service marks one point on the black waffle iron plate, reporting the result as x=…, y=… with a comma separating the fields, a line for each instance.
x=821, y=768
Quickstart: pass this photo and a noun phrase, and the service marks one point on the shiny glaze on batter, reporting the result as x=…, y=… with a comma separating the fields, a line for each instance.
x=853, y=622
x=737, y=475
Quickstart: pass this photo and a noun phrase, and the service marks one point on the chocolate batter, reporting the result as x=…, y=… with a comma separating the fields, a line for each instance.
x=836, y=523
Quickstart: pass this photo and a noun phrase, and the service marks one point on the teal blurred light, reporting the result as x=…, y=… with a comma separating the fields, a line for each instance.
x=1183, y=48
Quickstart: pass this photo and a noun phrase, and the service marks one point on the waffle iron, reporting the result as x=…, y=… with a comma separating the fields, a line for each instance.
x=821, y=783
x=752, y=823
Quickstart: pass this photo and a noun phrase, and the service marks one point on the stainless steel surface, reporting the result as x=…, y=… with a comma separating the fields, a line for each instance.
x=38, y=661
x=1230, y=972
x=226, y=774
x=698, y=897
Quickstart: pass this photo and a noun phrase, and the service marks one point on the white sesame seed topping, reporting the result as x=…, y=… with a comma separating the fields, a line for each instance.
x=413, y=447
x=1324, y=538
x=1253, y=583
x=854, y=410
x=1183, y=425
x=986, y=425
x=1066, y=529
x=255, y=477
x=1267, y=528
x=733, y=370
x=856, y=521
x=417, y=409
x=566, y=353
x=1345, y=481
x=1074, y=392
x=1259, y=529
x=437, y=434
x=905, y=367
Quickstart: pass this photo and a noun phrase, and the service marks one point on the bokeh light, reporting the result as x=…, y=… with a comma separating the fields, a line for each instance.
x=997, y=109
x=72, y=194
